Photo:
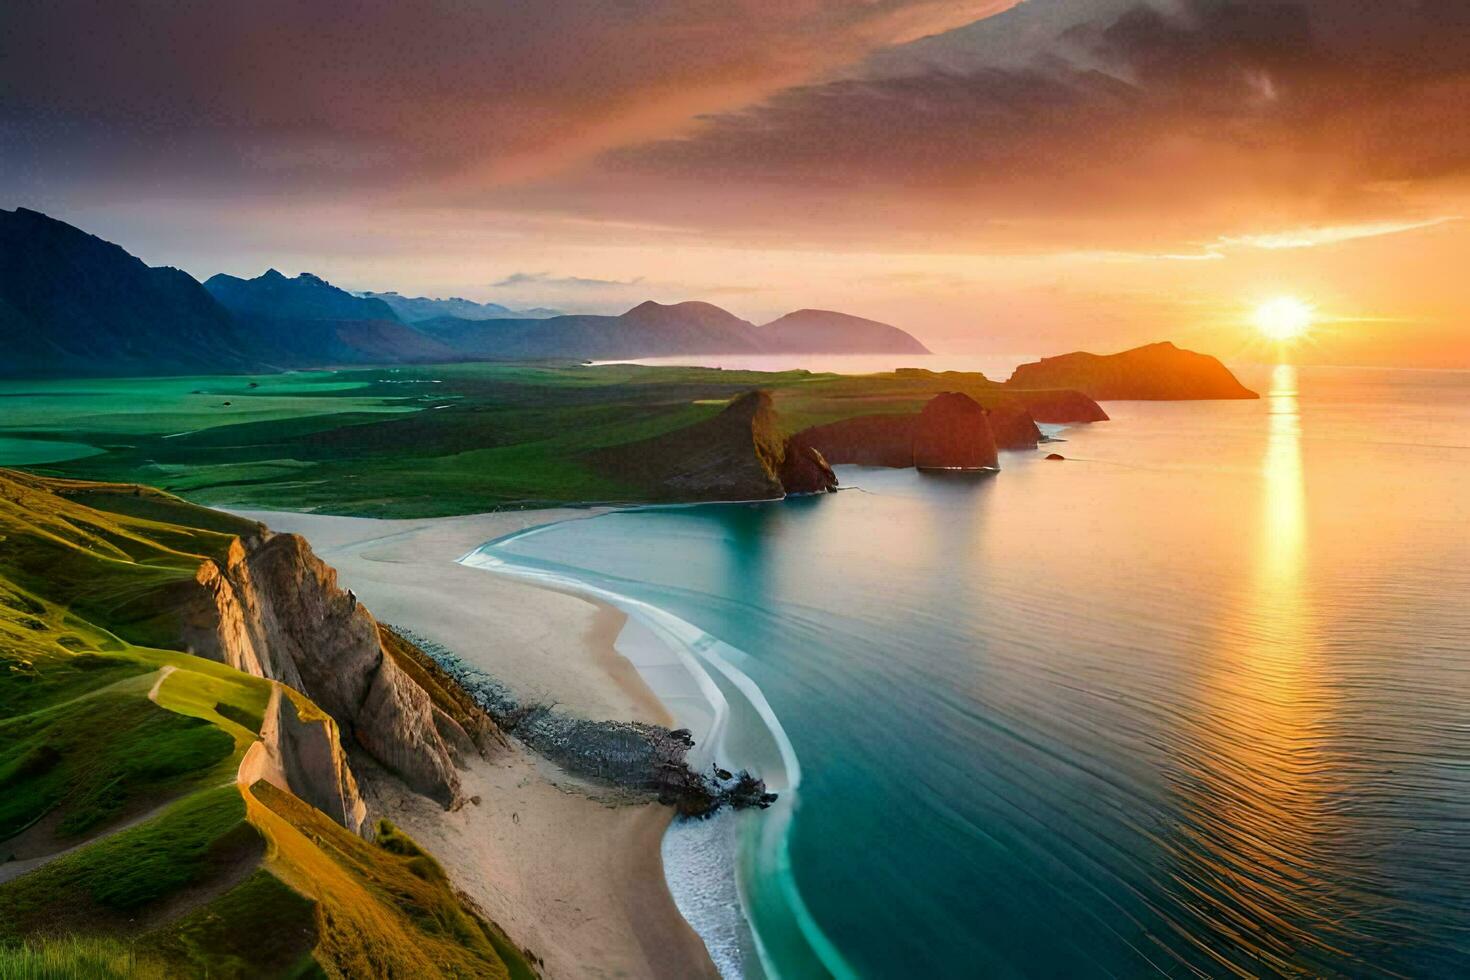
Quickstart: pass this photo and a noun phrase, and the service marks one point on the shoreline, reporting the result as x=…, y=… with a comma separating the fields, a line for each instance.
x=574, y=873
x=736, y=861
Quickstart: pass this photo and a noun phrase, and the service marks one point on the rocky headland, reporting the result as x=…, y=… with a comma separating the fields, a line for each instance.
x=952, y=432
x=1155, y=372
x=738, y=454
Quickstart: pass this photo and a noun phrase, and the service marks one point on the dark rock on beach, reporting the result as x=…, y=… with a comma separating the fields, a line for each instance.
x=647, y=759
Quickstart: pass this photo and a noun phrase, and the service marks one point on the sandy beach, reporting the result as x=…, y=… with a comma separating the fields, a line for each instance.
x=570, y=872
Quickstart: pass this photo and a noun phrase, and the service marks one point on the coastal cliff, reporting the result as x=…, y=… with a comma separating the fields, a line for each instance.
x=1155, y=372
x=952, y=432
x=804, y=470
x=273, y=609
x=1013, y=426
x=301, y=752
x=1063, y=406
x=738, y=454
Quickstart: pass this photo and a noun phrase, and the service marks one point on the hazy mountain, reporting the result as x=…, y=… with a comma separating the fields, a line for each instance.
x=411, y=309
x=306, y=321
x=648, y=330
x=827, y=332
x=657, y=330
x=73, y=304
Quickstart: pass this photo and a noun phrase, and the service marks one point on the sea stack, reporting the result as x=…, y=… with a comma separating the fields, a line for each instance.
x=1013, y=427
x=953, y=433
x=804, y=471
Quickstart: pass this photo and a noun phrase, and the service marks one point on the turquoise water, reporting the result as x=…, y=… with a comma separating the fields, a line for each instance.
x=1195, y=701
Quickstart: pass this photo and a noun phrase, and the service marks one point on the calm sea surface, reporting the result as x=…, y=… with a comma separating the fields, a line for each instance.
x=1195, y=701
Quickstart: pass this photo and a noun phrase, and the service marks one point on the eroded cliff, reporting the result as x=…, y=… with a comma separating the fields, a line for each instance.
x=273, y=609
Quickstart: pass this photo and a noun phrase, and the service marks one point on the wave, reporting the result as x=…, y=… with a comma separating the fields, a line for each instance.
x=731, y=876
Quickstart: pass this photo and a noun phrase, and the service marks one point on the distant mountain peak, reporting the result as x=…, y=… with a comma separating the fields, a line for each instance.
x=416, y=309
x=307, y=297
x=811, y=331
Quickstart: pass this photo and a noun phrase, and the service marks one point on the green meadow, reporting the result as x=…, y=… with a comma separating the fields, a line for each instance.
x=119, y=757
x=407, y=441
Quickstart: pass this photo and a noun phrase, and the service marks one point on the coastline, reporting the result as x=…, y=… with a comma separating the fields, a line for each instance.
x=731, y=874
x=574, y=874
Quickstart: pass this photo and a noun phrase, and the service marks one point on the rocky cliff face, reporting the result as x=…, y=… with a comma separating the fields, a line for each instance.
x=300, y=751
x=804, y=471
x=1061, y=406
x=1156, y=372
x=953, y=433
x=1013, y=427
x=866, y=440
x=274, y=609
x=733, y=456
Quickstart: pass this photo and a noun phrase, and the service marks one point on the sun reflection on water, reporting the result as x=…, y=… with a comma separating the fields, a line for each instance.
x=1258, y=784
x=1283, y=529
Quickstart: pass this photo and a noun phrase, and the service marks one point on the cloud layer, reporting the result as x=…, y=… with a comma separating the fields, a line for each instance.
x=1110, y=123
x=290, y=95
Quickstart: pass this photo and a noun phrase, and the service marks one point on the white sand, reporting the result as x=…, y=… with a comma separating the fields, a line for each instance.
x=577, y=880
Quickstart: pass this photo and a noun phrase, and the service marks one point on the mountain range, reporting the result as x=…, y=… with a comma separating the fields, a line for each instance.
x=74, y=304
x=411, y=309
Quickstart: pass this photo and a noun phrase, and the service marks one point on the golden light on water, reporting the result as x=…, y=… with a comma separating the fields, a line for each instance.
x=1284, y=318
x=1285, y=501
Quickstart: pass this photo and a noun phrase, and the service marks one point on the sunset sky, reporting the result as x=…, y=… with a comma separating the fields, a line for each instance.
x=995, y=177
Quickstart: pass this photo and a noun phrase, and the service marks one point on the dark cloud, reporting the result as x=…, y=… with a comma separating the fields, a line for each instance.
x=288, y=95
x=1186, y=116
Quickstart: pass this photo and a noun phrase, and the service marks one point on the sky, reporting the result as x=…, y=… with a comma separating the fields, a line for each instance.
x=993, y=176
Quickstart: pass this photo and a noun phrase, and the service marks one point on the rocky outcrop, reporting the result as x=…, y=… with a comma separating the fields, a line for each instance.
x=736, y=455
x=300, y=751
x=274, y=609
x=1156, y=372
x=866, y=440
x=953, y=433
x=1013, y=427
x=1061, y=406
x=804, y=471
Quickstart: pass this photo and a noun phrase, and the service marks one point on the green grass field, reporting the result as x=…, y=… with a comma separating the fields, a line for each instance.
x=124, y=775
x=411, y=441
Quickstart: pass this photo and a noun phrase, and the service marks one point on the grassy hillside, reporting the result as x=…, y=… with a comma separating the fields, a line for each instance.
x=137, y=851
x=417, y=441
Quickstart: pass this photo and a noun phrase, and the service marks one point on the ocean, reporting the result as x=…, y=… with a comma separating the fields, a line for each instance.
x=1194, y=701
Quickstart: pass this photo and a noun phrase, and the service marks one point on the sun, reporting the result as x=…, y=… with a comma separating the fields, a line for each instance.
x=1284, y=318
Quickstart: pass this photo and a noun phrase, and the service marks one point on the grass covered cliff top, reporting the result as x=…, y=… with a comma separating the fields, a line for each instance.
x=413, y=441
x=128, y=847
